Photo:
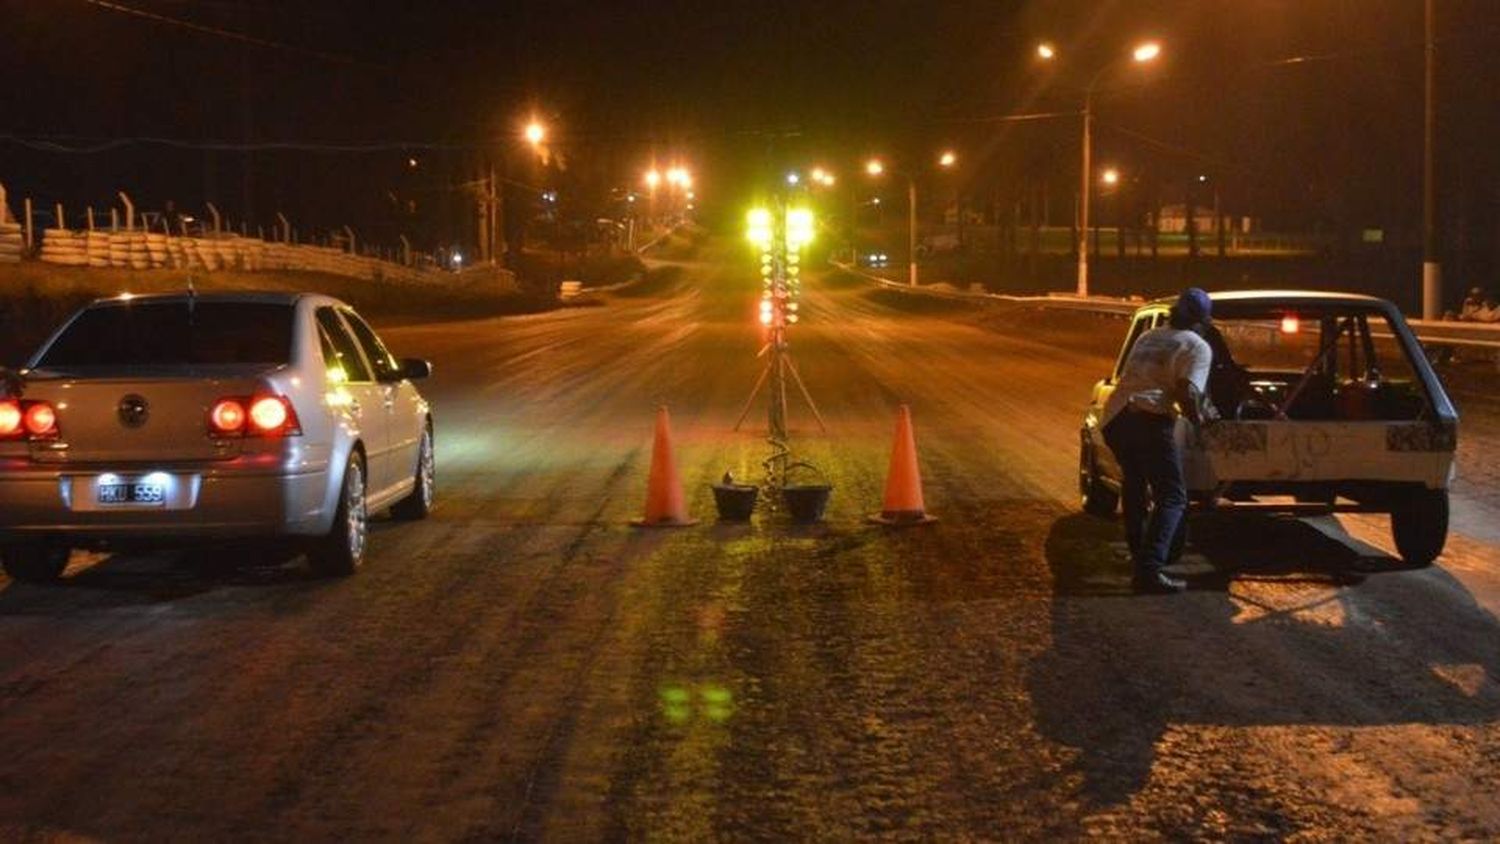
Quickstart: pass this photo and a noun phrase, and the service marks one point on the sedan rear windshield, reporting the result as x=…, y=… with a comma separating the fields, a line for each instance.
x=177, y=333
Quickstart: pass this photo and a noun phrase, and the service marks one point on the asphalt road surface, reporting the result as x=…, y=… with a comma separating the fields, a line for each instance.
x=526, y=665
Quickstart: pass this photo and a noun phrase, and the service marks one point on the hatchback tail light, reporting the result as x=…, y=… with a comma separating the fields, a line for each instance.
x=253, y=416
x=27, y=420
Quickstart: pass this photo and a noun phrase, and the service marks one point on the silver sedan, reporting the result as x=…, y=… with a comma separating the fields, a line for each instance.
x=213, y=416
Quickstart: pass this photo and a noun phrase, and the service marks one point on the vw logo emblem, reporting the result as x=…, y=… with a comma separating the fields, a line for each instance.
x=133, y=411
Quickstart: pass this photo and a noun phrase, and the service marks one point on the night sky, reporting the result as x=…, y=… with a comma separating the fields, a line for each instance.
x=742, y=90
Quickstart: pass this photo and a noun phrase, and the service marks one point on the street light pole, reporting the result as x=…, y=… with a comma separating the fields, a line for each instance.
x=1084, y=188
x=911, y=239
x=1432, y=269
x=1144, y=52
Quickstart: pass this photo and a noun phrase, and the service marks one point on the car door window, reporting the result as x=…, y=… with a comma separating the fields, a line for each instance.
x=1140, y=326
x=385, y=365
x=345, y=353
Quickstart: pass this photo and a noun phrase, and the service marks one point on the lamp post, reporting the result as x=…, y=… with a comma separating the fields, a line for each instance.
x=1144, y=52
x=1432, y=268
x=875, y=167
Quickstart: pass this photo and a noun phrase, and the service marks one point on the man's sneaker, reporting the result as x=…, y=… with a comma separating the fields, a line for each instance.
x=1156, y=583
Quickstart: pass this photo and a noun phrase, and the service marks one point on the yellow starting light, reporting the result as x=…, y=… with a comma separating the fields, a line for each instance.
x=759, y=230
x=799, y=228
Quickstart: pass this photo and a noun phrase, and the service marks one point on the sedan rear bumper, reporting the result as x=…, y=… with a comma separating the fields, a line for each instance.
x=200, y=502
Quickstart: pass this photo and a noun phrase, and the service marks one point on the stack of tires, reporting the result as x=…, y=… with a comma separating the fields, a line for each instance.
x=119, y=249
x=158, y=252
x=97, y=247
x=68, y=248
x=206, y=254
x=229, y=253
x=12, y=243
x=179, y=253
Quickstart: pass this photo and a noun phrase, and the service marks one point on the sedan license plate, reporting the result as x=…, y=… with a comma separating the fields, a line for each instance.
x=133, y=493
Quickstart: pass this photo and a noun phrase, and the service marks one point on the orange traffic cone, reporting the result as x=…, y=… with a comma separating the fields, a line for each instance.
x=903, y=486
x=665, y=506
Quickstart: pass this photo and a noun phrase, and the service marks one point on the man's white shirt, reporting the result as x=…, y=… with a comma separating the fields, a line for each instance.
x=1160, y=358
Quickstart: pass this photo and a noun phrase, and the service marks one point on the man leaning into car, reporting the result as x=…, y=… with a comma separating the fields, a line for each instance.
x=1165, y=374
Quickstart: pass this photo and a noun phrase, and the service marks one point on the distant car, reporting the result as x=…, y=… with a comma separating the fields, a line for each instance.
x=874, y=260
x=164, y=418
x=1329, y=405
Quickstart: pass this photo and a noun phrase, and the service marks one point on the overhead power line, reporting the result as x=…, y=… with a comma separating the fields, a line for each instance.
x=83, y=146
x=220, y=33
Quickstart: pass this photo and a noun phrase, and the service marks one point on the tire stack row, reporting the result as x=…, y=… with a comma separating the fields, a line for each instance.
x=68, y=248
x=96, y=245
x=12, y=243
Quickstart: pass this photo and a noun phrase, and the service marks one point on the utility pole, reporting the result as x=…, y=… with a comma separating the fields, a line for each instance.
x=1432, y=269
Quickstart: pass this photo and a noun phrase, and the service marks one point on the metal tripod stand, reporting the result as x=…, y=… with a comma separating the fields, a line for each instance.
x=779, y=364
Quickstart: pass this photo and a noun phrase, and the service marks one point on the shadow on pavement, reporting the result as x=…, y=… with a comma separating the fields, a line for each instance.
x=1284, y=624
x=103, y=581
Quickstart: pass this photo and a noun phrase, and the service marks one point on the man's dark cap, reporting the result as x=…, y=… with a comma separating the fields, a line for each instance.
x=1195, y=304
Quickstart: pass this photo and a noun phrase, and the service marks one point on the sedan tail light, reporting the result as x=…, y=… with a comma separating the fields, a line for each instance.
x=27, y=420
x=253, y=416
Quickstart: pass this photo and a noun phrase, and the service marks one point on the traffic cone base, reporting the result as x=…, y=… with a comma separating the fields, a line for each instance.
x=903, y=505
x=902, y=519
x=663, y=523
x=665, y=505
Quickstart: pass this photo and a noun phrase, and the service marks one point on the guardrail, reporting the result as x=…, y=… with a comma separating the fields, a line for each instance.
x=1429, y=332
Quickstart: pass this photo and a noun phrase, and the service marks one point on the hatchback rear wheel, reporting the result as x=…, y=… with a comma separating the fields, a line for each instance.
x=1419, y=524
x=1097, y=498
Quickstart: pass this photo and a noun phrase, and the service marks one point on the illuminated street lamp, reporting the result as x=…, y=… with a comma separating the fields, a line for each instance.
x=1110, y=177
x=875, y=167
x=653, y=179
x=1146, y=51
x=535, y=133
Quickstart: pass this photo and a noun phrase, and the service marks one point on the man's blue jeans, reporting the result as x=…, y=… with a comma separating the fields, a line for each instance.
x=1147, y=452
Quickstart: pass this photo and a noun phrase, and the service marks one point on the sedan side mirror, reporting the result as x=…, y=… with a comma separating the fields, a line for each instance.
x=415, y=368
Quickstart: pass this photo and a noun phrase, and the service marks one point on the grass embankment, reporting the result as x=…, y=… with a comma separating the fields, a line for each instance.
x=35, y=297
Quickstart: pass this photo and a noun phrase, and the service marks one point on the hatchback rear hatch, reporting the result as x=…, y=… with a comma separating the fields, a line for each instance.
x=134, y=381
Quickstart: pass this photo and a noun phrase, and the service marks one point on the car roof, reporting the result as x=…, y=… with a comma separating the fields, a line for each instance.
x=1306, y=298
x=267, y=297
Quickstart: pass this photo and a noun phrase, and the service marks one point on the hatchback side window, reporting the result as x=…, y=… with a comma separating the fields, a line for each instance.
x=346, y=354
x=386, y=367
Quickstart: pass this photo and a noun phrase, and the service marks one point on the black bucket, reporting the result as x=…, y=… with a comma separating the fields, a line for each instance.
x=806, y=502
x=735, y=501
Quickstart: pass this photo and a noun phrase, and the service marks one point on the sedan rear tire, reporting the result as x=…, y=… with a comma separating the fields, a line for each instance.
x=35, y=563
x=342, y=551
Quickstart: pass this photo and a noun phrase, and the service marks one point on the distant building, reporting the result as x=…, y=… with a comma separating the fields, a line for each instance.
x=1173, y=219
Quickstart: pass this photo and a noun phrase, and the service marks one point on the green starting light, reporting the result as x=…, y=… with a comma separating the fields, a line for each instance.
x=759, y=229
x=799, y=228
